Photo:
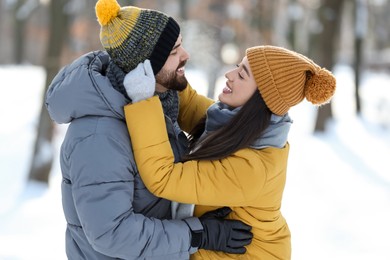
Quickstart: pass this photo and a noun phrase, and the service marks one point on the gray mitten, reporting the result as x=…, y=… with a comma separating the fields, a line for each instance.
x=140, y=83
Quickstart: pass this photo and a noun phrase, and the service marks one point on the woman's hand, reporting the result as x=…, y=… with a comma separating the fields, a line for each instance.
x=140, y=83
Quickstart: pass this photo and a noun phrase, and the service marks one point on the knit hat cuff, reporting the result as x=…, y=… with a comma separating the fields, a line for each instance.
x=265, y=81
x=164, y=45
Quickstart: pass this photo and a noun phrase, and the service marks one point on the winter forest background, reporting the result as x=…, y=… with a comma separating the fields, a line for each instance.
x=337, y=197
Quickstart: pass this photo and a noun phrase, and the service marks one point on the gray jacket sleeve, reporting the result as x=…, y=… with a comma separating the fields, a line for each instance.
x=103, y=190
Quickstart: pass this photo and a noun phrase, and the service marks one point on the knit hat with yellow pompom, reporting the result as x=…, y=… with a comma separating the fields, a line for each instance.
x=131, y=35
x=284, y=78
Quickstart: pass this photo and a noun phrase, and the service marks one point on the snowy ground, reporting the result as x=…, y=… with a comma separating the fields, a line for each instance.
x=337, y=198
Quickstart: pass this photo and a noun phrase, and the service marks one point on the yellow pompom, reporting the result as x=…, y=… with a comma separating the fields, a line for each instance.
x=106, y=10
x=320, y=87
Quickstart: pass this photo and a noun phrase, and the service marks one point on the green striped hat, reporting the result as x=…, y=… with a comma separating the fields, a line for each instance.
x=131, y=35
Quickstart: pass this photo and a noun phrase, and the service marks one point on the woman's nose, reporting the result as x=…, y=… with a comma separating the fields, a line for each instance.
x=229, y=75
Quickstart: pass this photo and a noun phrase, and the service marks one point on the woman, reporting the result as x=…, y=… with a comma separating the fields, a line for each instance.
x=238, y=153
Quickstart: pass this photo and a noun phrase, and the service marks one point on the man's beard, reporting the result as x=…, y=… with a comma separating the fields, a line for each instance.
x=170, y=80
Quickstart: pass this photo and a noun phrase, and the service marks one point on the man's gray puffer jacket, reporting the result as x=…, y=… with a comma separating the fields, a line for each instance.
x=109, y=212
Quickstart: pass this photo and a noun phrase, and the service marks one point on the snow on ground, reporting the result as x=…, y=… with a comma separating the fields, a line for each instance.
x=31, y=220
x=337, y=194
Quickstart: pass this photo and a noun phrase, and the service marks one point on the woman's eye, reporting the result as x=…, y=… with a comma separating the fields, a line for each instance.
x=239, y=72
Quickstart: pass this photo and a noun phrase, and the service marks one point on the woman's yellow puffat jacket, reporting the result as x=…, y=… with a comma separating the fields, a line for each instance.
x=249, y=181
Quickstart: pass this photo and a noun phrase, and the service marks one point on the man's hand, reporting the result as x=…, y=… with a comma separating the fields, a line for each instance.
x=140, y=83
x=221, y=234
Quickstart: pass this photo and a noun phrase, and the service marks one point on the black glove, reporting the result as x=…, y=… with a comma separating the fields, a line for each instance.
x=221, y=234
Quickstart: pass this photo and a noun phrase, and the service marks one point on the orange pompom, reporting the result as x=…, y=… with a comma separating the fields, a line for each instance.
x=320, y=87
x=106, y=10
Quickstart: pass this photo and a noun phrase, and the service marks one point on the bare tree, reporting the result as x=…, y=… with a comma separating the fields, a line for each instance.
x=325, y=45
x=22, y=11
x=58, y=30
x=360, y=33
x=204, y=37
x=262, y=18
x=19, y=25
x=184, y=9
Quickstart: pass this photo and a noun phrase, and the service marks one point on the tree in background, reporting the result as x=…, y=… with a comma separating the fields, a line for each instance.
x=19, y=24
x=42, y=158
x=360, y=21
x=21, y=12
x=203, y=38
x=324, y=46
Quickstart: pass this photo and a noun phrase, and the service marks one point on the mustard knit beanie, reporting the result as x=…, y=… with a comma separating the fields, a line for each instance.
x=131, y=35
x=284, y=78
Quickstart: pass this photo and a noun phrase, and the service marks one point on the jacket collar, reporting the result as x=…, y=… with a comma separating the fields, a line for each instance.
x=275, y=135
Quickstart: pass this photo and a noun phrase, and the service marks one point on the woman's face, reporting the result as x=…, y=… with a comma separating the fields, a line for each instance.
x=240, y=85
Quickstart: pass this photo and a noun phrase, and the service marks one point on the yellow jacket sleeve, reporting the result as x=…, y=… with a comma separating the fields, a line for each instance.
x=192, y=108
x=233, y=181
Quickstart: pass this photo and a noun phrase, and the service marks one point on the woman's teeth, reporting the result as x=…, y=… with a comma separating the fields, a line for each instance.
x=227, y=90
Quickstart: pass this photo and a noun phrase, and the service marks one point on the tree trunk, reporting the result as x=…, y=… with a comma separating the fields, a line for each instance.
x=43, y=151
x=184, y=9
x=357, y=68
x=329, y=15
x=19, y=25
x=360, y=33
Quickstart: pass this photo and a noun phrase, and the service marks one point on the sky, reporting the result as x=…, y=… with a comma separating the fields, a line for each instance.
x=337, y=195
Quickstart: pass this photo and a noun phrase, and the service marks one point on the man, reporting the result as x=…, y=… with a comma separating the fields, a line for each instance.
x=109, y=212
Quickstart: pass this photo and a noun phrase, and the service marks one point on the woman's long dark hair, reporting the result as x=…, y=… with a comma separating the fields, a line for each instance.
x=242, y=130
